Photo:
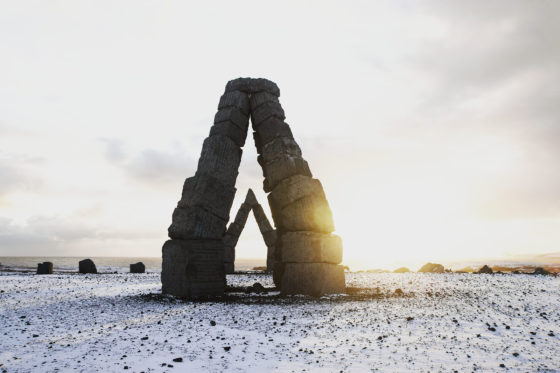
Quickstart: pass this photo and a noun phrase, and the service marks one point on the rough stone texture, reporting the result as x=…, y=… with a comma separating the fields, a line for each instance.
x=45, y=268
x=220, y=158
x=279, y=147
x=259, y=98
x=250, y=198
x=312, y=279
x=310, y=213
x=195, y=222
x=271, y=129
x=137, y=268
x=233, y=115
x=208, y=193
x=293, y=188
x=229, y=129
x=261, y=219
x=270, y=237
x=283, y=167
x=237, y=99
x=270, y=109
x=270, y=257
x=311, y=247
x=87, y=266
x=193, y=268
x=251, y=85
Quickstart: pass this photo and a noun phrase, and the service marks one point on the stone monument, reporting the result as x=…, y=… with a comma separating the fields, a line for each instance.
x=307, y=255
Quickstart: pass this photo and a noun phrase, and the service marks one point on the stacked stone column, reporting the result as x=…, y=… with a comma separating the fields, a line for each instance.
x=193, y=257
x=307, y=254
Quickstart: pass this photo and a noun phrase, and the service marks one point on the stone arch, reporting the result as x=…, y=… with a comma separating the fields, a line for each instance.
x=236, y=228
x=307, y=254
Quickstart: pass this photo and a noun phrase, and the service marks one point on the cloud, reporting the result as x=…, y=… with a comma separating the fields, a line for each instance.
x=149, y=165
x=63, y=235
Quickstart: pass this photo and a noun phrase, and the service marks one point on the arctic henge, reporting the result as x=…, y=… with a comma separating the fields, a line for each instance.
x=303, y=254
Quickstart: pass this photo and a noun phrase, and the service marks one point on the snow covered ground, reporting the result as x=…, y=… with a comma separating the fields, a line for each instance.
x=115, y=322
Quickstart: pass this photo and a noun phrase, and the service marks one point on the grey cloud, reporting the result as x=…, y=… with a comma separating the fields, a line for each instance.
x=59, y=235
x=151, y=166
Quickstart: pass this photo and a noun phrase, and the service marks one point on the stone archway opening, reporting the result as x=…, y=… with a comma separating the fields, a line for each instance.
x=307, y=255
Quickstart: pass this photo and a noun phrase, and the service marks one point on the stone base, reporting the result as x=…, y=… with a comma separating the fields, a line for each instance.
x=311, y=247
x=229, y=268
x=193, y=268
x=313, y=279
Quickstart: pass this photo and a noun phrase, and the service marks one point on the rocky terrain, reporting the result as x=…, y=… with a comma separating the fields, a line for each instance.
x=396, y=322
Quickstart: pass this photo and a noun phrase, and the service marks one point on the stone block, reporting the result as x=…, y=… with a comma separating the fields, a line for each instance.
x=87, y=266
x=311, y=247
x=271, y=129
x=277, y=271
x=237, y=99
x=45, y=268
x=137, y=268
x=267, y=110
x=230, y=240
x=251, y=85
x=262, y=220
x=284, y=167
x=250, y=198
x=269, y=237
x=313, y=279
x=310, y=213
x=234, y=115
x=293, y=188
x=270, y=258
x=279, y=147
x=235, y=229
x=195, y=222
x=193, y=268
x=229, y=268
x=259, y=98
x=242, y=214
x=230, y=130
x=209, y=193
x=229, y=254
x=220, y=158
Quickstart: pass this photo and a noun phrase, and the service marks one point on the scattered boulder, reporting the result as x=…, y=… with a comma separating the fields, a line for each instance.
x=541, y=271
x=87, y=266
x=258, y=288
x=137, y=268
x=432, y=268
x=401, y=270
x=486, y=270
x=45, y=268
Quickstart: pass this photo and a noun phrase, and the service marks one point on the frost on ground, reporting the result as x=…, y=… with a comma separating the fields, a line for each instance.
x=119, y=322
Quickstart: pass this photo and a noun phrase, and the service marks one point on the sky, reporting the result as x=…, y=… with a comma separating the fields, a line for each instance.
x=434, y=127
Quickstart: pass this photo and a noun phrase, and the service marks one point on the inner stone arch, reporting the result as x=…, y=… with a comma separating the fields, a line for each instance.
x=307, y=254
x=231, y=237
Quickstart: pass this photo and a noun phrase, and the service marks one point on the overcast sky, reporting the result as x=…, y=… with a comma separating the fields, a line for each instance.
x=433, y=126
